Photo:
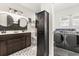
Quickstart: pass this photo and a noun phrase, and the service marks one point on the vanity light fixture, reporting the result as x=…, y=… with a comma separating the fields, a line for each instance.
x=15, y=11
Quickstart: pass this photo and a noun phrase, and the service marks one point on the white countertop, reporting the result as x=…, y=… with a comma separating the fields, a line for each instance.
x=16, y=32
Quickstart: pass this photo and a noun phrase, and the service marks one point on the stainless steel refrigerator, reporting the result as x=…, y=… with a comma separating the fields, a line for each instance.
x=42, y=33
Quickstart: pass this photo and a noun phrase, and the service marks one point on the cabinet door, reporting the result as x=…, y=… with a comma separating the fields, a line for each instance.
x=3, y=49
x=16, y=44
x=13, y=45
x=28, y=40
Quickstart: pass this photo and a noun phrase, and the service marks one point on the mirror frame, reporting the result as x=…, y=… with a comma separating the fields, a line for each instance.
x=21, y=19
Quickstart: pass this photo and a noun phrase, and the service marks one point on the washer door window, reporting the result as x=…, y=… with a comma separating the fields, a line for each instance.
x=58, y=38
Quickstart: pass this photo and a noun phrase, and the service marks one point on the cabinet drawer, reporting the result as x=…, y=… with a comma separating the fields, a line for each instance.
x=15, y=40
x=14, y=48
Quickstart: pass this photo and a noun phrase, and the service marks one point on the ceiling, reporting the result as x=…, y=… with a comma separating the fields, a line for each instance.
x=62, y=6
x=36, y=7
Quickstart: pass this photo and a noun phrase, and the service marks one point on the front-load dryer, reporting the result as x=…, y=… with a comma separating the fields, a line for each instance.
x=72, y=42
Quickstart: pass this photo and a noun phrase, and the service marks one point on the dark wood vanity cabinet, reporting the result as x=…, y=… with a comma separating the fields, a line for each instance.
x=14, y=42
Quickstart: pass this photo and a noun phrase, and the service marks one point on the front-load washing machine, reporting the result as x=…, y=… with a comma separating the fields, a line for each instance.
x=58, y=39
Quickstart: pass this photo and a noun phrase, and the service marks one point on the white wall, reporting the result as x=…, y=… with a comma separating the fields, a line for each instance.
x=49, y=8
x=66, y=12
x=27, y=12
x=35, y=7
